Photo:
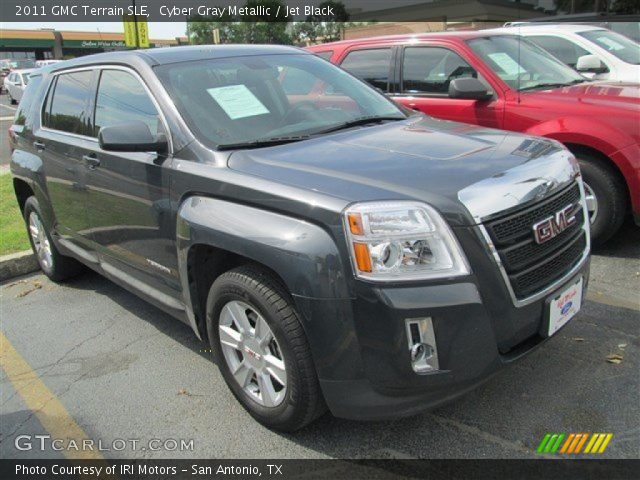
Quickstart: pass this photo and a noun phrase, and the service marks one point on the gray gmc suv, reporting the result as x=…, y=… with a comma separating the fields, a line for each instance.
x=334, y=251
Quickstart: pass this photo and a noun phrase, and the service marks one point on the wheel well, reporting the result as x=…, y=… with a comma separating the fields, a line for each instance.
x=204, y=265
x=601, y=159
x=23, y=191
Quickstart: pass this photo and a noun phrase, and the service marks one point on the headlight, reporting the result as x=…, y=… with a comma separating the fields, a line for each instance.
x=400, y=240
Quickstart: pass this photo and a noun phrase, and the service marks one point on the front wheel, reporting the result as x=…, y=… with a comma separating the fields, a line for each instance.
x=605, y=197
x=261, y=349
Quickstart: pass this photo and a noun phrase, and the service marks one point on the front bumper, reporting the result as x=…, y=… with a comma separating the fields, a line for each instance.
x=364, y=364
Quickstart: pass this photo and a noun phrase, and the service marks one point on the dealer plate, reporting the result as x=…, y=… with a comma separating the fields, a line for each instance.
x=564, y=306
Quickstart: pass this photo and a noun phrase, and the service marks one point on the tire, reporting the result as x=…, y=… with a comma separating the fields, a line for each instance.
x=54, y=265
x=610, y=197
x=255, y=292
x=12, y=100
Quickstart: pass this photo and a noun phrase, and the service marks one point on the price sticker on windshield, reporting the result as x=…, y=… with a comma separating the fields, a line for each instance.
x=237, y=101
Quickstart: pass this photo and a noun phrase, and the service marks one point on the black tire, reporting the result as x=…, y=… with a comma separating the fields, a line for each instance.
x=303, y=401
x=61, y=267
x=610, y=192
x=12, y=100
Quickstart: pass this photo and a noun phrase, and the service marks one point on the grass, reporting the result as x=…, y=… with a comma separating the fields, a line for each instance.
x=13, y=233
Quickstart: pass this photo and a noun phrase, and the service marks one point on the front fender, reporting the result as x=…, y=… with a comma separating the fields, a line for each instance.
x=583, y=131
x=303, y=254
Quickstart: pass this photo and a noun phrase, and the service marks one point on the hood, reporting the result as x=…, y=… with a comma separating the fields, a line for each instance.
x=420, y=159
x=604, y=93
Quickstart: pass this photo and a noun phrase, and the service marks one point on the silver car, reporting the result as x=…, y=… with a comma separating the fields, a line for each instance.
x=15, y=83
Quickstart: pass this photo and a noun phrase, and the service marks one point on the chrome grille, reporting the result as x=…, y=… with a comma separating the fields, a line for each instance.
x=529, y=266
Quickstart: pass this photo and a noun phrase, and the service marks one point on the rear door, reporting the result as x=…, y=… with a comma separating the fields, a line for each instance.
x=60, y=142
x=425, y=73
x=128, y=199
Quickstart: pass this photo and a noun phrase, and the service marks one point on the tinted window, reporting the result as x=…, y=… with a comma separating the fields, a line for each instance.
x=430, y=70
x=326, y=54
x=564, y=50
x=122, y=98
x=69, y=101
x=370, y=65
x=27, y=100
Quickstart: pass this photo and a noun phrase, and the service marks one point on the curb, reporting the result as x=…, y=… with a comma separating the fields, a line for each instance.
x=17, y=264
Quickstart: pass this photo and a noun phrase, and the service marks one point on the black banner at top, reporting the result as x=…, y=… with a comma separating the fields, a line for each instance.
x=279, y=10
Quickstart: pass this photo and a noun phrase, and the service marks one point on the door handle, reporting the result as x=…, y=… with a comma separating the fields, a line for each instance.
x=39, y=145
x=91, y=161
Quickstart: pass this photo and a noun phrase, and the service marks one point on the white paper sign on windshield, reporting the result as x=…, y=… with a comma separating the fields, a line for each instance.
x=237, y=101
x=507, y=64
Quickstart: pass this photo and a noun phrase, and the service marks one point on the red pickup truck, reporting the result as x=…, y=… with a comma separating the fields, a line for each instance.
x=503, y=81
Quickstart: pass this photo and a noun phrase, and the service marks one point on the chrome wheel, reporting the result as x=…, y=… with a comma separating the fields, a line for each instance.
x=252, y=353
x=592, y=203
x=40, y=241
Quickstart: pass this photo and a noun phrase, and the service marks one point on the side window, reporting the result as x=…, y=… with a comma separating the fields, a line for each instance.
x=564, y=50
x=122, y=98
x=27, y=100
x=69, y=101
x=326, y=54
x=372, y=66
x=431, y=69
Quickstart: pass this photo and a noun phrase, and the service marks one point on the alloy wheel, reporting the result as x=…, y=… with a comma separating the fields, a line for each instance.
x=40, y=241
x=592, y=203
x=252, y=353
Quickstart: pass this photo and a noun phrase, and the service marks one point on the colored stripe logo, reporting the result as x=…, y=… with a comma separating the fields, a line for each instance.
x=574, y=443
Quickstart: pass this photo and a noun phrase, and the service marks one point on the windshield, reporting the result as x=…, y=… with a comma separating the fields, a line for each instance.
x=18, y=64
x=239, y=100
x=622, y=47
x=523, y=65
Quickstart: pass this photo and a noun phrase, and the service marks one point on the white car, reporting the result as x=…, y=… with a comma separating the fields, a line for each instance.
x=15, y=83
x=595, y=52
x=44, y=63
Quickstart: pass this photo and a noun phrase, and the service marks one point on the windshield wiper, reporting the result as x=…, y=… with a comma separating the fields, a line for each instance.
x=553, y=85
x=359, y=121
x=263, y=142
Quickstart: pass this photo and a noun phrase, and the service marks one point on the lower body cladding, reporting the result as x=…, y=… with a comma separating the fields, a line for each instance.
x=365, y=349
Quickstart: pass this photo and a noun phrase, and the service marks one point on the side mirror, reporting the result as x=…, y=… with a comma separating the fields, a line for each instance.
x=590, y=64
x=468, y=88
x=131, y=137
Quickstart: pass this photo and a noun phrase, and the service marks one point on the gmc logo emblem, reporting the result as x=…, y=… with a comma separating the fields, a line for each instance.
x=548, y=228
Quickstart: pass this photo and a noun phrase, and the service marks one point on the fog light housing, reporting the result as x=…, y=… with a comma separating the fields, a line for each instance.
x=423, y=351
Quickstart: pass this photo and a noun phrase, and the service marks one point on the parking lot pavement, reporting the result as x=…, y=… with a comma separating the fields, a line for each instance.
x=7, y=112
x=121, y=369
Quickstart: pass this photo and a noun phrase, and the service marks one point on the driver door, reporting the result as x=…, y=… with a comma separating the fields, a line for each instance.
x=425, y=75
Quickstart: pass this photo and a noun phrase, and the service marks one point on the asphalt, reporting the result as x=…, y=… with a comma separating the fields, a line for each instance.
x=125, y=370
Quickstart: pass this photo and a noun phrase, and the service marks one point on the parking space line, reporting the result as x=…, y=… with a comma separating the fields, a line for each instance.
x=7, y=106
x=6, y=118
x=44, y=404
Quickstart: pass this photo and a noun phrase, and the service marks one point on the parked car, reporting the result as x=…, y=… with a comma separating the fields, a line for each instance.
x=15, y=83
x=332, y=250
x=595, y=52
x=44, y=63
x=503, y=81
x=5, y=68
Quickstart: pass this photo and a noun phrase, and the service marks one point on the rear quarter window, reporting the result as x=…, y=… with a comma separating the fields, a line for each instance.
x=24, y=107
x=66, y=108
